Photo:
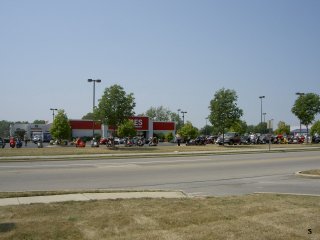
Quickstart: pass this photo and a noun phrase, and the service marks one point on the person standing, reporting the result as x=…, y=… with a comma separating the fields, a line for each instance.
x=178, y=137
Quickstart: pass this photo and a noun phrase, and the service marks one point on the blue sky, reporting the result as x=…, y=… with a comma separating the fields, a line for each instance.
x=171, y=53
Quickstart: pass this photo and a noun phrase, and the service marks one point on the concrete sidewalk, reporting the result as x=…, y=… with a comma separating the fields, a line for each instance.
x=88, y=197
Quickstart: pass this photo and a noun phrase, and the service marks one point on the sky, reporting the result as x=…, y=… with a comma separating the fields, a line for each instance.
x=170, y=53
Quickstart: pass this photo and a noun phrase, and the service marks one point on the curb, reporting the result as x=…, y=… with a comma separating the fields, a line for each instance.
x=90, y=197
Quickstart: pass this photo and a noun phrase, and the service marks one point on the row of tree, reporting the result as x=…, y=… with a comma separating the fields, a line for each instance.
x=116, y=106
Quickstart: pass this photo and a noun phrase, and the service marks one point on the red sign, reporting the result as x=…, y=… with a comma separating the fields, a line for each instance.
x=164, y=126
x=140, y=123
x=84, y=124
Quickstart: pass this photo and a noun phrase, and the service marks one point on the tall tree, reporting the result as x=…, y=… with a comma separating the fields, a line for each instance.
x=306, y=107
x=239, y=127
x=283, y=128
x=60, y=128
x=39, y=122
x=158, y=114
x=88, y=116
x=315, y=129
x=224, y=111
x=5, y=128
x=188, y=131
x=163, y=114
x=115, y=106
x=127, y=129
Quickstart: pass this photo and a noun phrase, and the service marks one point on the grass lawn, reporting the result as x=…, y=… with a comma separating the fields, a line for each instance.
x=260, y=216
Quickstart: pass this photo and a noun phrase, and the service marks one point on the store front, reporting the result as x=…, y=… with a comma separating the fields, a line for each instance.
x=143, y=125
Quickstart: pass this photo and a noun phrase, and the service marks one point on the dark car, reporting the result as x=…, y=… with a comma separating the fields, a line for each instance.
x=230, y=138
x=2, y=143
x=316, y=139
x=197, y=141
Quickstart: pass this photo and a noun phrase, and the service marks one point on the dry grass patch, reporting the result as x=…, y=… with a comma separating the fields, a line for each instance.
x=312, y=172
x=243, y=217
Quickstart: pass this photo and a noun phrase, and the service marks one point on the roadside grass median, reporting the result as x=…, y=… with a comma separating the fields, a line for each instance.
x=256, y=216
x=170, y=149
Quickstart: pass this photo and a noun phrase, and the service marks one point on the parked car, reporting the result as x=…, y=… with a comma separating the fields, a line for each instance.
x=197, y=141
x=316, y=139
x=230, y=138
x=36, y=139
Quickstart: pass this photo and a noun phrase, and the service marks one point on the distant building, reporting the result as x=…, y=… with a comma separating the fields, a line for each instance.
x=144, y=126
x=297, y=131
x=85, y=128
x=31, y=130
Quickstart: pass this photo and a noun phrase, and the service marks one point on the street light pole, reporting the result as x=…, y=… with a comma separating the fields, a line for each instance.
x=183, y=116
x=300, y=94
x=261, y=97
x=206, y=126
x=94, y=97
x=53, y=109
x=264, y=117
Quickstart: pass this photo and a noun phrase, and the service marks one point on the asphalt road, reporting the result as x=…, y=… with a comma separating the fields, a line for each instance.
x=214, y=175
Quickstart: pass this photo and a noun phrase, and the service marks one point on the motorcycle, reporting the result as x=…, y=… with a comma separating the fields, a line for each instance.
x=153, y=141
x=19, y=143
x=94, y=143
x=80, y=143
x=128, y=142
x=12, y=142
x=140, y=142
x=40, y=144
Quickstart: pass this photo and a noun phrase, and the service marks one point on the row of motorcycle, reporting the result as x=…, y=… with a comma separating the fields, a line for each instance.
x=252, y=139
x=128, y=142
x=16, y=143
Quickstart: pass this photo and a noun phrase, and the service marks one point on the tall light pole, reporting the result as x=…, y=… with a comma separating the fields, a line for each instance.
x=261, y=97
x=53, y=109
x=183, y=112
x=206, y=126
x=264, y=117
x=300, y=94
x=94, y=97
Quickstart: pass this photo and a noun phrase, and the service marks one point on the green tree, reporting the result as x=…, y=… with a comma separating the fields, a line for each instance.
x=239, y=127
x=5, y=128
x=169, y=137
x=315, y=128
x=224, y=111
x=163, y=114
x=39, y=122
x=261, y=128
x=115, y=106
x=127, y=129
x=158, y=114
x=60, y=128
x=283, y=128
x=89, y=116
x=206, y=130
x=306, y=107
x=188, y=131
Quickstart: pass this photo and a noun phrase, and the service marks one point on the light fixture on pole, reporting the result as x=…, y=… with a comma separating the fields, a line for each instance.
x=261, y=97
x=94, y=96
x=300, y=94
x=179, y=110
x=53, y=109
x=183, y=112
